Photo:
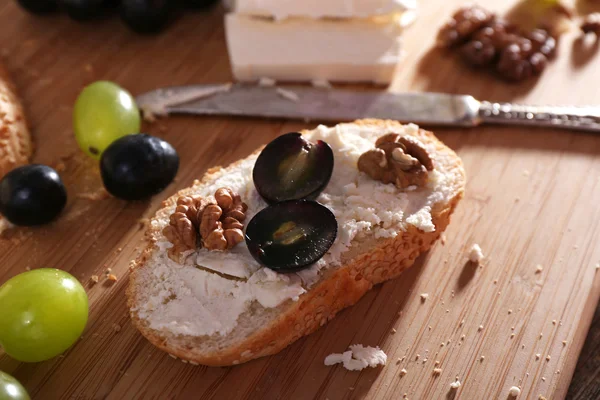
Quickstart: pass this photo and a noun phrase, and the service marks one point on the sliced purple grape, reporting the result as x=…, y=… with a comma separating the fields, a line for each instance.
x=292, y=235
x=292, y=168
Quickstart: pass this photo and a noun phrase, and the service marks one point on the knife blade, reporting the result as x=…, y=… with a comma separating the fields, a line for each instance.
x=309, y=103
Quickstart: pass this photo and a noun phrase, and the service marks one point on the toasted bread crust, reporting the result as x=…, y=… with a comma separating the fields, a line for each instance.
x=340, y=287
x=15, y=142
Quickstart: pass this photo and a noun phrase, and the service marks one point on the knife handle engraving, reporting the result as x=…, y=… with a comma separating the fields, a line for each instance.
x=578, y=118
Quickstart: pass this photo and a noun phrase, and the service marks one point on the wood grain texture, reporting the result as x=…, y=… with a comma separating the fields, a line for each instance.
x=532, y=198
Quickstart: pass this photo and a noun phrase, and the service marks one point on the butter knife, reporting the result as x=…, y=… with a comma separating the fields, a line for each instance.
x=310, y=103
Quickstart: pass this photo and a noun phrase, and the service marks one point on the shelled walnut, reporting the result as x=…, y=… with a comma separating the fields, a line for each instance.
x=215, y=223
x=401, y=160
x=491, y=41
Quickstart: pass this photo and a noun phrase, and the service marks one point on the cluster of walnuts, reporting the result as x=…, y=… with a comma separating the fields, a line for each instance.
x=214, y=223
x=485, y=40
x=397, y=159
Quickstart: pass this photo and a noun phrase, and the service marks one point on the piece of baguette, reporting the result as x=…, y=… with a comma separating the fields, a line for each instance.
x=264, y=331
x=15, y=142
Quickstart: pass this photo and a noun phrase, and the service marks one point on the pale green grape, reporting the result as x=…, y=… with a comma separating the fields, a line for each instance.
x=42, y=313
x=103, y=113
x=11, y=389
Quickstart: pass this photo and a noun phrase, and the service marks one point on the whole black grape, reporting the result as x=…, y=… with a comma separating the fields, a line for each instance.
x=147, y=16
x=39, y=6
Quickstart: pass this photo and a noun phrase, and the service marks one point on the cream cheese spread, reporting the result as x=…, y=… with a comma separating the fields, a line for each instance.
x=358, y=358
x=212, y=289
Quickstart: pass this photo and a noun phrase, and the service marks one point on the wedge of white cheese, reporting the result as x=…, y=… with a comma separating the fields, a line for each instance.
x=302, y=49
x=282, y=9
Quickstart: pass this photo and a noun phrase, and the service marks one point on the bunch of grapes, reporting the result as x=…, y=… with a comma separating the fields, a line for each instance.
x=142, y=16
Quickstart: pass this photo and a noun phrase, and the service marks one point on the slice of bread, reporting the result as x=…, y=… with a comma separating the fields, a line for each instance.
x=203, y=315
x=15, y=141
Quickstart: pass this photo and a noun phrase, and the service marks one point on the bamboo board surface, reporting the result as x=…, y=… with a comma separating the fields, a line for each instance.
x=532, y=198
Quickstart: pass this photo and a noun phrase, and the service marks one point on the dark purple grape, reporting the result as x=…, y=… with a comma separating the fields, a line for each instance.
x=292, y=168
x=32, y=195
x=147, y=16
x=84, y=10
x=39, y=6
x=198, y=4
x=292, y=235
x=138, y=166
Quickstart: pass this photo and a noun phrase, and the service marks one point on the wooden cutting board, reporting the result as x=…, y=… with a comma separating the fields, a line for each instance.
x=532, y=199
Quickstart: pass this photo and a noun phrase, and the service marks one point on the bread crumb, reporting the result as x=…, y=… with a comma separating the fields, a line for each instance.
x=321, y=84
x=455, y=385
x=543, y=379
x=424, y=297
x=108, y=270
x=425, y=360
x=539, y=269
x=94, y=279
x=172, y=356
x=564, y=342
x=553, y=322
x=514, y=391
x=116, y=328
x=526, y=172
x=394, y=330
x=429, y=327
x=403, y=372
x=462, y=322
x=509, y=312
x=443, y=239
x=112, y=277
x=537, y=356
x=437, y=371
x=442, y=344
x=512, y=328
x=437, y=362
x=480, y=328
x=288, y=94
x=476, y=254
x=512, y=335
x=417, y=357
x=266, y=82
x=495, y=281
x=557, y=371
x=542, y=397
x=522, y=346
x=541, y=335
x=358, y=358
x=481, y=358
x=548, y=357
x=463, y=337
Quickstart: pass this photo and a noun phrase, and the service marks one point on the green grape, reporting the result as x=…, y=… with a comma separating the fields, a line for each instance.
x=11, y=389
x=103, y=113
x=43, y=313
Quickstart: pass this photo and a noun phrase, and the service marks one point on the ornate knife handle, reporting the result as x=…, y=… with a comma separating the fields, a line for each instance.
x=576, y=118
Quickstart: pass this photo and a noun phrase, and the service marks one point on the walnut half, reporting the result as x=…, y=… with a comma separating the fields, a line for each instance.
x=215, y=223
x=397, y=159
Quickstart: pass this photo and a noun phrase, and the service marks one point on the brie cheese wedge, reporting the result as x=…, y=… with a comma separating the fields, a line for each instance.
x=300, y=49
x=282, y=9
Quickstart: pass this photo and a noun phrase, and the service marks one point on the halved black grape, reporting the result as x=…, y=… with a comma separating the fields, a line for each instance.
x=136, y=167
x=292, y=235
x=292, y=168
x=39, y=6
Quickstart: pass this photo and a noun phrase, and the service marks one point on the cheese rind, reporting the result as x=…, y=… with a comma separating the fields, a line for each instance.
x=307, y=50
x=282, y=9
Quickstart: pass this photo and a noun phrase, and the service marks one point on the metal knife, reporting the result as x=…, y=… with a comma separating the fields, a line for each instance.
x=310, y=103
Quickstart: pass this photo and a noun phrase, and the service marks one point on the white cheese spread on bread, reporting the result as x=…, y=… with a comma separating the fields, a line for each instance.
x=212, y=289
